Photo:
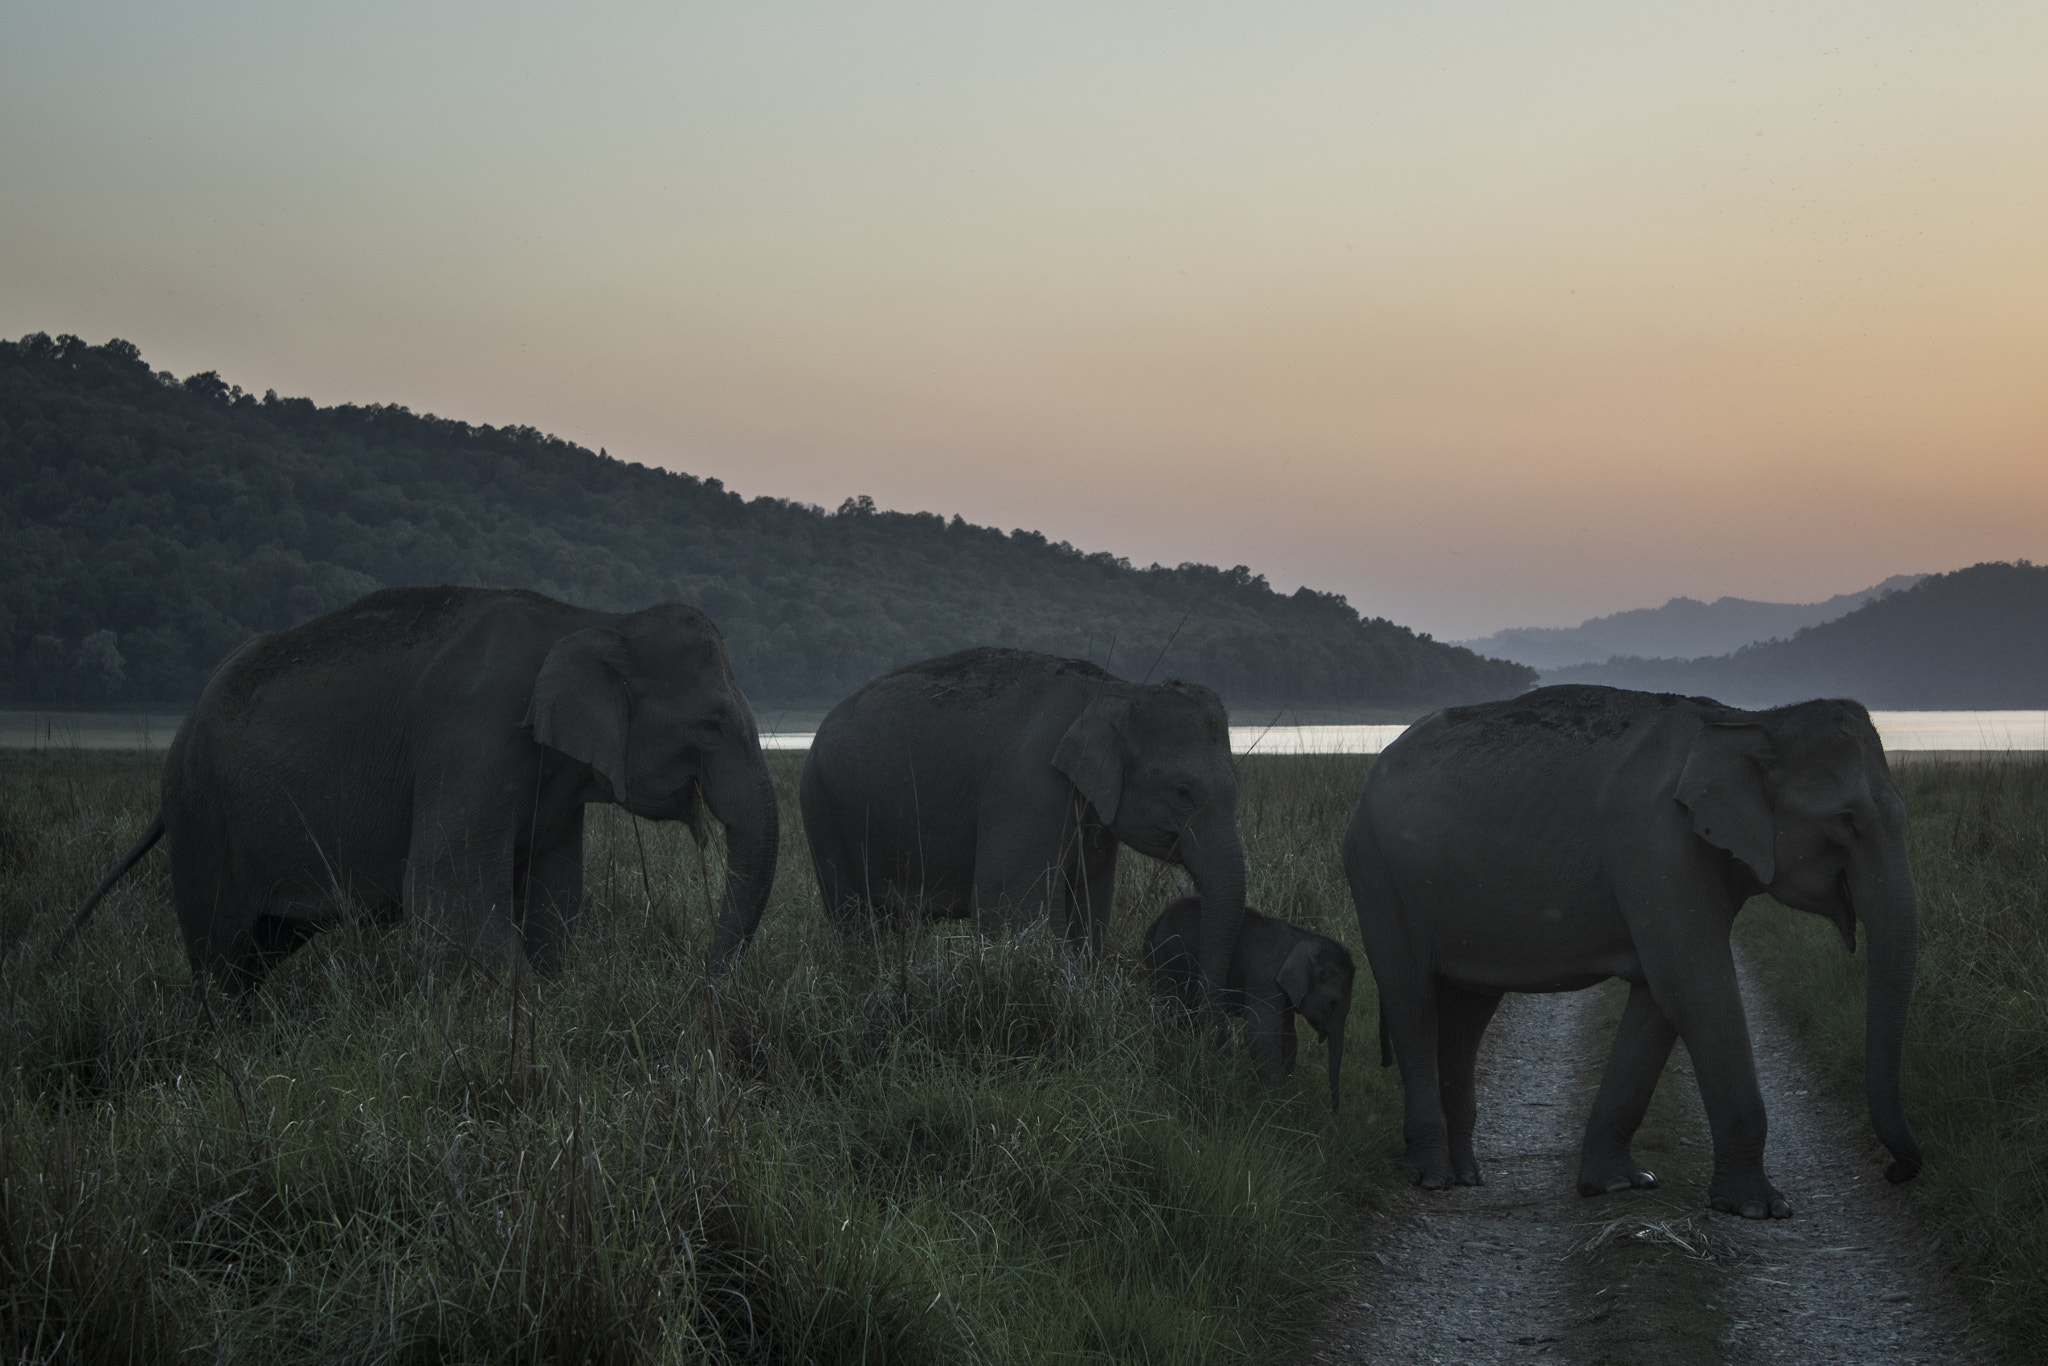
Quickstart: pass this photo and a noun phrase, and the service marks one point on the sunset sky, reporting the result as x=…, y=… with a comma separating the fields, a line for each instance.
x=1481, y=314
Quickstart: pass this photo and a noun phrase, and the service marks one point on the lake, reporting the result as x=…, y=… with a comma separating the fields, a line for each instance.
x=1977, y=731
x=1902, y=732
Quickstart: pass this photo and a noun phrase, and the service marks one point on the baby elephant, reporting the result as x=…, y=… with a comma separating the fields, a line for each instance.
x=1277, y=971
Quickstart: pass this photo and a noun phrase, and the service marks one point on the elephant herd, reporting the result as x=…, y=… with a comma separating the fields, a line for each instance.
x=428, y=752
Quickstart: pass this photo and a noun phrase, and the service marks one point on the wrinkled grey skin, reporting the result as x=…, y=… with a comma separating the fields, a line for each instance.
x=429, y=751
x=1579, y=833
x=998, y=784
x=1279, y=970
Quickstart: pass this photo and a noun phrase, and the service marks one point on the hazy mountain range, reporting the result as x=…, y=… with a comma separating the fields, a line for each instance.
x=1975, y=639
x=1683, y=628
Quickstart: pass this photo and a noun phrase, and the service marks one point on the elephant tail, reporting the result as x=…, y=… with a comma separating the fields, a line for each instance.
x=119, y=871
x=1386, y=1045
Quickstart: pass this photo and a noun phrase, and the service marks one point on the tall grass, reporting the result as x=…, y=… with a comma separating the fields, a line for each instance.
x=910, y=1145
x=1976, y=1064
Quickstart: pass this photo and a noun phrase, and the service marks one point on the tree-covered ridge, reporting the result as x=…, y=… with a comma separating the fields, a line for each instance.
x=148, y=525
x=1975, y=639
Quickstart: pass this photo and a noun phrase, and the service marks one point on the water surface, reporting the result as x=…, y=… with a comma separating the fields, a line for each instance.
x=1902, y=731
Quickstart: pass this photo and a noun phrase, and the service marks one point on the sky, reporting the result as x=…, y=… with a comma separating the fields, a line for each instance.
x=1482, y=314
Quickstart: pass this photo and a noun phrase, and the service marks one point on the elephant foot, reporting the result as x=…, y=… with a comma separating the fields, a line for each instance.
x=1432, y=1170
x=1753, y=1198
x=1465, y=1168
x=1613, y=1176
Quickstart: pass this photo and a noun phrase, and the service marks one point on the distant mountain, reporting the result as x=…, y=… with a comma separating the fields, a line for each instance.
x=1683, y=628
x=1974, y=639
x=149, y=524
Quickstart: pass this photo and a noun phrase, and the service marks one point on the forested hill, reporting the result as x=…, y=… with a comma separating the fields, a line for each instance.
x=1975, y=639
x=148, y=525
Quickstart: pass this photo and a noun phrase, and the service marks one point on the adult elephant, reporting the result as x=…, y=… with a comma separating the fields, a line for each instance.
x=1579, y=833
x=429, y=751
x=998, y=784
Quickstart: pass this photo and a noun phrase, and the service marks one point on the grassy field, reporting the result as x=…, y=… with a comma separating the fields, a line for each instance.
x=916, y=1146
x=1976, y=1066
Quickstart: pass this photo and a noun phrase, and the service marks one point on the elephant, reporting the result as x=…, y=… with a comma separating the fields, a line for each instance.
x=999, y=783
x=1578, y=833
x=1278, y=970
x=429, y=752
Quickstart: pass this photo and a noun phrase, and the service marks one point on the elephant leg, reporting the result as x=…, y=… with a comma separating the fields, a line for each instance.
x=216, y=913
x=840, y=892
x=548, y=888
x=1408, y=1017
x=1641, y=1046
x=1705, y=1004
x=271, y=939
x=1089, y=887
x=1007, y=898
x=1019, y=872
x=1269, y=1036
x=1461, y=1020
x=459, y=883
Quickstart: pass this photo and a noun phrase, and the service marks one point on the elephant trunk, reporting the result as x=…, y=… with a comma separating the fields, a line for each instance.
x=1334, y=1041
x=741, y=796
x=1213, y=857
x=1881, y=890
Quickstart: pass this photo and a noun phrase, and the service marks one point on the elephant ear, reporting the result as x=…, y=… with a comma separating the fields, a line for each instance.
x=1723, y=787
x=580, y=705
x=1091, y=753
x=1297, y=974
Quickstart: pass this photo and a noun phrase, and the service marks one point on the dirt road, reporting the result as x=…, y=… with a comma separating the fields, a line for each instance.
x=1522, y=1269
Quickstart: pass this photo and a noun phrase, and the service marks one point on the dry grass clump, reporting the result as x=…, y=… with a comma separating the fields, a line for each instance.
x=1976, y=1065
x=909, y=1145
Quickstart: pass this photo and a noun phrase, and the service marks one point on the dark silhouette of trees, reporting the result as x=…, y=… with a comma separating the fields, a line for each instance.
x=165, y=520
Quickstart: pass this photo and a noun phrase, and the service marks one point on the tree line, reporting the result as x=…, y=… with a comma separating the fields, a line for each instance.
x=149, y=524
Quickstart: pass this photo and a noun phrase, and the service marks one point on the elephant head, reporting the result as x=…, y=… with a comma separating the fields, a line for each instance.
x=650, y=705
x=1154, y=762
x=1316, y=976
x=1803, y=801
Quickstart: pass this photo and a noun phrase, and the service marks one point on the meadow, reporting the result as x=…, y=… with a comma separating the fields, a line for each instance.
x=913, y=1145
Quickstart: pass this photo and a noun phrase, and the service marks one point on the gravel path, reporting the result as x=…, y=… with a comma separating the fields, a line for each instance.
x=1488, y=1275
x=1479, y=1274
x=1848, y=1278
